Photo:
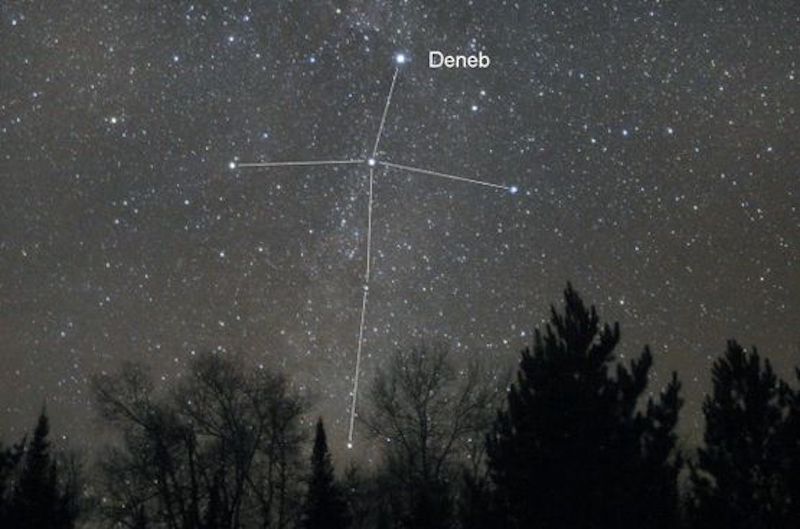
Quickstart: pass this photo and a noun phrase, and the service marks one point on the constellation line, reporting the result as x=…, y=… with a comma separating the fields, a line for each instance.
x=385, y=111
x=358, y=367
x=371, y=162
x=369, y=223
x=444, y=175
x=363, y=313
x=303, y=162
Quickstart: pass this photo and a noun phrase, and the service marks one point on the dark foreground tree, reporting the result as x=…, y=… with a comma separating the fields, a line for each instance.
x=10, y=458
x=325, y=506
x=367, y=498
x=428, y=417
x=220, y=449
x=791, y=441
x=746, y=473
x=475, y=507
x=40, y=499
x=139, y=519
x=574, y=448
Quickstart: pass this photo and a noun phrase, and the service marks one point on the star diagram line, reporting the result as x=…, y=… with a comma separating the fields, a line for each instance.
x=371, y=163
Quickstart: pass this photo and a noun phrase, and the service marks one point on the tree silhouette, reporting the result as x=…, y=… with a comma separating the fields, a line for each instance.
x=475, y=507
x=427, y=416
x=571, y=449
x=10, y=459
x=743, y=476
x=220, y=449
x=369, y=497
x=38, y=500
x=325, y=506
x=140, y=519
x=791, y=443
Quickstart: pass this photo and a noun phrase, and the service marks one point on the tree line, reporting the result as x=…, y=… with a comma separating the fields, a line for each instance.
x=578, y=439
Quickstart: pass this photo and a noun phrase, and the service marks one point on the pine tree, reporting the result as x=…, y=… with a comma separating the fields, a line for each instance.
x=325, y=505
x=9, y=461
x=571, y=449
x=791, y=442
x=742, y=478
x=38, y=502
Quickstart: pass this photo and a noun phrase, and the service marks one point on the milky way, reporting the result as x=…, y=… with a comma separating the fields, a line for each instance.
x=654, y=147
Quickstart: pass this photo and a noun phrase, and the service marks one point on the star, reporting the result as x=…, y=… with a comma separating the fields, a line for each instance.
x=129, y=147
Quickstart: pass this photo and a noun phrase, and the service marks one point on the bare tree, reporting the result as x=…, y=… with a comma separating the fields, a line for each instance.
x=430, y=418
x=218, y=450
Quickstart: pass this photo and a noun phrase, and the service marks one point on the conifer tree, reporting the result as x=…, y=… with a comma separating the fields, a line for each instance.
x=38, y=502
x=791, y=440
x=325, y=504
x=743, y=477
x=9, y=461
x=572, y=448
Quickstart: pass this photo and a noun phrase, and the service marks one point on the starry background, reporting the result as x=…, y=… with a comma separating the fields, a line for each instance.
x=654, y=143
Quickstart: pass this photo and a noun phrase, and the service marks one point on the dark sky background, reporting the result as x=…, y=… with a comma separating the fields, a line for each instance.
x=655, y=145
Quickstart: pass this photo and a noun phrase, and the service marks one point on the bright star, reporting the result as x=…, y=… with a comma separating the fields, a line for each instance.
x=232, y=165
x=371, y=161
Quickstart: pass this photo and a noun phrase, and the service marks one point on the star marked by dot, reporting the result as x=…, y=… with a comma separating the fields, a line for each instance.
x=122, y=131
x=372, y=162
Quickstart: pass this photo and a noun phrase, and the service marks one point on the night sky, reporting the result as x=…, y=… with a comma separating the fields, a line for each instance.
x=654, y=145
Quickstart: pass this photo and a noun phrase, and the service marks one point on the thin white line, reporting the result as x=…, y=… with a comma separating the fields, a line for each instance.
x=367, y=271
x=358, y=368
x=369, y=223
x=363, y=312
x=286, y=164
x=385, y=111
x=443, y=175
